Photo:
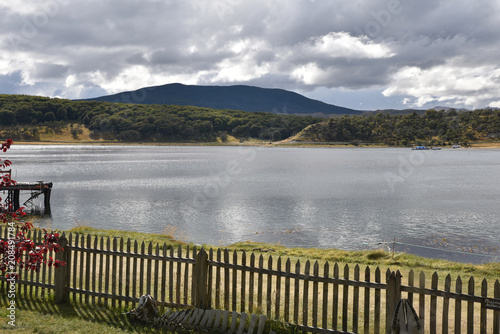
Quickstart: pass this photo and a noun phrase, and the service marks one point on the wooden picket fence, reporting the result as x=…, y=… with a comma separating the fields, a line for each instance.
x=316, y=298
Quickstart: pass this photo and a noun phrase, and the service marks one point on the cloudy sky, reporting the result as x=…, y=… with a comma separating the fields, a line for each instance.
x=362, y=54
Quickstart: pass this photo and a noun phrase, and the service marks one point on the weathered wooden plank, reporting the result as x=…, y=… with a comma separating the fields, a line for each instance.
x=260, y=283
x=366, y=310
x=269, y=291
x=81, y=267
x=458, y=307
x=345, y=300
x=324, y=315
x=234, y=276
x=277, y=308
x=234, y=320
x=120, y=270
x=251, y=283
x=243, y=282
x=218, y=316
x=470, y=308
x=335, y=301
x=484, y=293
x=253, y=322
x=225, y=319
x=141, y=270
x=421, y=300
x=243, y=319
x=315, y=296
x=305, y=297
x=433, y=312
x=156, y=274
x=262, y=323
x=355, y=302
x=446, y=306
x=296, y=294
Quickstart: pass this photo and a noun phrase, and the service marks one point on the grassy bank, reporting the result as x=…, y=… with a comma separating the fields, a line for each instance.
x=376, y=257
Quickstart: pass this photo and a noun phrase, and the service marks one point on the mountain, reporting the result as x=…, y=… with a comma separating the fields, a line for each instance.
x=245, y=98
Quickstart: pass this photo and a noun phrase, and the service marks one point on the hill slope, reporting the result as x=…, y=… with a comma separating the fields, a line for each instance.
x=245, y=98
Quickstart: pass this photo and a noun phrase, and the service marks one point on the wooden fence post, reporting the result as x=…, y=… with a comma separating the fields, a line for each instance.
x=61, y=274
x=200, y=280
x=392, y=297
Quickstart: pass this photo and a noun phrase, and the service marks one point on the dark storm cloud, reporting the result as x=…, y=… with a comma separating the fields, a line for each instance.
x=425, y=51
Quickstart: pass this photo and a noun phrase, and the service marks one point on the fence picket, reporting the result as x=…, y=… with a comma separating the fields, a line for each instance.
x=134, y=270
x=226, y=280
x=164, y=274
x=120, y=271
x=113, y=272
x=355, y=302
x=156, y=273
x=243, y=281
x=269, y=280
x=376, y=320
x=305, y=296
x=171, y=277
x=335, y=301
x=178, y=277
x=470, y=308
x=186, y=277
x=210, y=273
x=101, y=269
x=496, y=313
x=366, y=322
x=94, y=266
x=296, y=293
x=234, y=282
x=345, y=300
x=324, y=315
x=433, y=313
x=458, y=306
x=217, y=281
x=421, y=299
x=446, y=305
x=484, y=293
x=278, y=291
x=127, y=273
x=315, y=295
x=251, y=283
x=411, y=282
x=75, y=266
x=87, y=267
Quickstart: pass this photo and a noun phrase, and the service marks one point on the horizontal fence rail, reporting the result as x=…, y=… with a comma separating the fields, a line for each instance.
x=317, y=298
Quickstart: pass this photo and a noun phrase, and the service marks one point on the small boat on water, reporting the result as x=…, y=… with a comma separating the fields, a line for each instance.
x=420, y=148
x=435, y=148
x=456, y=146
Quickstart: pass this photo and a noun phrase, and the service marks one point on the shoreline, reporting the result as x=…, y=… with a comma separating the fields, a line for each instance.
x=477, y=145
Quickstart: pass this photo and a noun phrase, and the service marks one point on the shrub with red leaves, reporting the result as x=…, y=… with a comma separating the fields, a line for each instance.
x=19, y=252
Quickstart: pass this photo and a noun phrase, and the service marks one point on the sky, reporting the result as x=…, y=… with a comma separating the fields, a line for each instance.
x=360, y=54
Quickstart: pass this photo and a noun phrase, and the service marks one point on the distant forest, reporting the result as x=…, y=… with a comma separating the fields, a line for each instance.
x=430, y=128
x=23, y=117
x=135, y=122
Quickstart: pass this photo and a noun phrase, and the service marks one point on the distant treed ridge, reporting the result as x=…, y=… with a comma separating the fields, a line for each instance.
x=430, y=128
x=21, y=118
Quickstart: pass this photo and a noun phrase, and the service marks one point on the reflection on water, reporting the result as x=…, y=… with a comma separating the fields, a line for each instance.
x=317, y=197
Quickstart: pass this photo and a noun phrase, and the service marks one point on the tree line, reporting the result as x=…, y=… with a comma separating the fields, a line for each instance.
x=136, y=122
x=433, y=128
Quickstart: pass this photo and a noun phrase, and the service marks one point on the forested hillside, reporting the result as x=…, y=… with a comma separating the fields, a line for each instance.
x=431, y=128
x=23, y=117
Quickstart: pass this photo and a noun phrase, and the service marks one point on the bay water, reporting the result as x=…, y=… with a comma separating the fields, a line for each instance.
x=441, y=204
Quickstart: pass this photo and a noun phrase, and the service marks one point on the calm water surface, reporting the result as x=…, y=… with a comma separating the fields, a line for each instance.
x=435, y=203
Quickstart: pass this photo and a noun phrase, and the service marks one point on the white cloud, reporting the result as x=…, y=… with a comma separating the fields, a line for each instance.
x=452, y=82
